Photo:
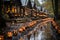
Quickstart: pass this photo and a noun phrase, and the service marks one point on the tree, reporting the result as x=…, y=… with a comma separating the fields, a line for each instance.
x=29, y=5
x=56, y=9
x=48, y=6
x=2, y=20
x=34, y=5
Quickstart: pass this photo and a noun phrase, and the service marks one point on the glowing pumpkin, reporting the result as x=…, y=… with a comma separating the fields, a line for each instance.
x=1, y=37
x=23, y=27
x=20, y=30
x=9, y=34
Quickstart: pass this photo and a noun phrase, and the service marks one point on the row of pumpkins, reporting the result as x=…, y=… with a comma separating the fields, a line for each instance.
x=22, y=29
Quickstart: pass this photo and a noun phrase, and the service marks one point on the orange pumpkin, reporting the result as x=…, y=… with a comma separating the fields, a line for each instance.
x=9, y=34
x=23, y=27
x=1, y=37
x=20, y=30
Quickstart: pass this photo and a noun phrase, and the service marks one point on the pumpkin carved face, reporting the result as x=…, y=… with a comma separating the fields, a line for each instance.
x=9, y=34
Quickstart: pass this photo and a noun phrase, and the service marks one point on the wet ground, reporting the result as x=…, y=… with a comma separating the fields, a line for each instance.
x=44, y=34
x=43, y=31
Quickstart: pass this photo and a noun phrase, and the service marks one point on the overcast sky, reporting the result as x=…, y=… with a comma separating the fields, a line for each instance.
x=40, y=1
